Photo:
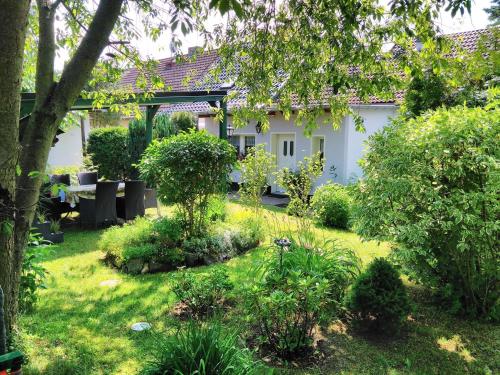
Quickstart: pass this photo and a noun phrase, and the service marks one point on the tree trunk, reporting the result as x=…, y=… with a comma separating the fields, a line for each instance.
x=53, y=101
x=3, y=334
x=12, y=38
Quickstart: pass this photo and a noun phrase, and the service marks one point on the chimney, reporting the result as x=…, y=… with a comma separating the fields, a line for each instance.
x=193, y=50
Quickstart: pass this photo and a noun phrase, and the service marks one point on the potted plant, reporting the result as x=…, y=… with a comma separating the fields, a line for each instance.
x=41, y=225
x=55, y=235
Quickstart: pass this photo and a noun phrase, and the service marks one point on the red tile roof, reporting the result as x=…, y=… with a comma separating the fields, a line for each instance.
x=193, y=75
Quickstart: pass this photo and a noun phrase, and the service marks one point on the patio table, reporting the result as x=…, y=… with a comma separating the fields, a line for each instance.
x=74, y=192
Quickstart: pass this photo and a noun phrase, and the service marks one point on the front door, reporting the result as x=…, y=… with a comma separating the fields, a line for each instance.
x=285, y=153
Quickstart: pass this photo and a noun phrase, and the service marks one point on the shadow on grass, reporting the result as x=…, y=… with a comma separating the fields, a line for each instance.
x=76, y=241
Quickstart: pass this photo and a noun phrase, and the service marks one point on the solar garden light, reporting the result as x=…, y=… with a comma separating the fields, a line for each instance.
x=283, y=243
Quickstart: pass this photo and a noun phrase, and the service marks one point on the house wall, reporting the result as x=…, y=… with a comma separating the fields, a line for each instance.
x=343, y=147
x=68, y=151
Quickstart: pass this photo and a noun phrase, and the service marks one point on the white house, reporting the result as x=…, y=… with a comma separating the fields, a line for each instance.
x=341, y=148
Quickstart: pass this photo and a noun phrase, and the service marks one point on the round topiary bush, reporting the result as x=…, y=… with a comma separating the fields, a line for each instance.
x=379, y=298
x=188, y=169
x=331, y=205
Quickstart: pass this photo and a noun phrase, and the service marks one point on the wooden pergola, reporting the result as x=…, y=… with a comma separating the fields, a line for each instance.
x=213, y=98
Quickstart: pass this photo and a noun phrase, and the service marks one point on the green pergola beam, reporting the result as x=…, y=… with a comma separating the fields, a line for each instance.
x=171, y=97
x=152, y=104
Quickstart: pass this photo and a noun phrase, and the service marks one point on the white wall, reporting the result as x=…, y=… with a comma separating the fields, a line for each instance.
x=68, y=151
x=343, y=147
x=375, y=118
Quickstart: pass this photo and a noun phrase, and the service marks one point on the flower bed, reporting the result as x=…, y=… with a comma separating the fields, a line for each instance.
x=145, y=246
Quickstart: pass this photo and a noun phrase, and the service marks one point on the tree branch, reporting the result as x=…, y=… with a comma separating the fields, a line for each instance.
x=79, y=69
x=46, y=53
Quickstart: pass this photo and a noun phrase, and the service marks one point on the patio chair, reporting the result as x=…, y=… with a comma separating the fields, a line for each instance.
x=132, y=204
x=60, y=179
x=100, y=211
x=87, y=178
x=57, y=208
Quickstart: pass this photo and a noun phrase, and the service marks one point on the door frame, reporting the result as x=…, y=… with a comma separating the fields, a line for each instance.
x=274, y=150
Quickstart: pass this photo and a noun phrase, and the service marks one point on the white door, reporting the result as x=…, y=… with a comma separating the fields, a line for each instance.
x=285, y=153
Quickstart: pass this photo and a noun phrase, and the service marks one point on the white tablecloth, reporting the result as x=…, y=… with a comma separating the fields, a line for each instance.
x=74, y=192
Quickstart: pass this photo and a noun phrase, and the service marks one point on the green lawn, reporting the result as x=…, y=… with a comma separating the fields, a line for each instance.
x=83, y=327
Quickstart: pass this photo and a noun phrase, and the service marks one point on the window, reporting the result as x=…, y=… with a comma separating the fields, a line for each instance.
x=291, y=148
x=285, y=147
x=235, y=142
x=249, y=142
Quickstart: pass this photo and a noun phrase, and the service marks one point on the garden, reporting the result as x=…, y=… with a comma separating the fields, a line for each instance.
x=348, y=281
x=157, y=262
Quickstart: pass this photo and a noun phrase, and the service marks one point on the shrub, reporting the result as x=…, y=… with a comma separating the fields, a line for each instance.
x=163, y=126
x=331, y=205
x=379, y=298
x=146, y=241
x=300, y=288
x=216, y=210
x=431, y=185
x=256, y=168
x=203, y=350
x=167, y=232
x=136, y=144
x=183, y=122
x=188, y=169
x=33, y=274
x=298, y=183
x=204, y=294
x=107, y=149
x=115, y=239
x=203, y=250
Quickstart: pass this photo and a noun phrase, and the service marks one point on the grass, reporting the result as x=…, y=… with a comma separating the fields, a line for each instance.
x=82, y=326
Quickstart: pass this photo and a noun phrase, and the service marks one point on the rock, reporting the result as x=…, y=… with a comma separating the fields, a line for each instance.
x=134, y=266
x=110, y=283
x=145, y=269
x=155, y=266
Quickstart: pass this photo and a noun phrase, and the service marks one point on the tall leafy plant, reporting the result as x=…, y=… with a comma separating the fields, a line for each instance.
x=256, y=170
x=188, y=169
x=298, y=183
x=300, y=288
x=431, y=185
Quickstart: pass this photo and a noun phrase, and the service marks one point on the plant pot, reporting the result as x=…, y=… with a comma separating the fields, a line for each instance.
x=42, y=228
x=55, y=237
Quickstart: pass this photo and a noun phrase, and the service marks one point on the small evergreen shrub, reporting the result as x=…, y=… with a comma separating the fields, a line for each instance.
x=201, y=350
x=163, y=126
x=136, y=144
x=379, y=298
x=331, y=206
x=183, y=122
x=202, y=294
x=107, y=149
